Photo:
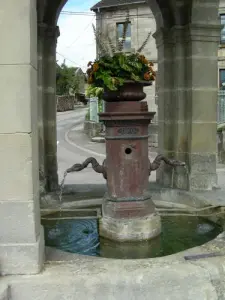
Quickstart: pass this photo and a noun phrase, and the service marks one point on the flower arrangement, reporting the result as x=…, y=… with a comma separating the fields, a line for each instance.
x=114, y=66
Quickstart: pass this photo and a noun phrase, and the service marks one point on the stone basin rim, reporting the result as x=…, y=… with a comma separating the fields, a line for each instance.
x=213, y=246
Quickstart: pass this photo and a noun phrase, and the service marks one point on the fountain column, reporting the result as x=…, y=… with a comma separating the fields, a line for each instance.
x=128, y=213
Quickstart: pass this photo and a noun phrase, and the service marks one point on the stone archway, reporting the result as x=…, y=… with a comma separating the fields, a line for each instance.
x=48, y=33
x=187, y=49
x=21, y=235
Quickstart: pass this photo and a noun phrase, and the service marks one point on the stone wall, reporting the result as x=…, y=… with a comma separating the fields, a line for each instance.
x=65, y=103
x=92, y=129
x=153, y=135
x=221, y=146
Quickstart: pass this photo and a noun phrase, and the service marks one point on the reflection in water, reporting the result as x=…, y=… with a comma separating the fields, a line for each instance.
x=81, y=236
x=76, y=236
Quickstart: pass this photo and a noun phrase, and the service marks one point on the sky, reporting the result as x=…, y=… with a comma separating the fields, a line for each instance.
x=76, y=43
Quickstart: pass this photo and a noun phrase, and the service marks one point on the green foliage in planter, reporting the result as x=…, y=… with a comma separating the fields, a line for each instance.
x=221, y=127
x=114, y=67
x=112, y=72
x=93, y=91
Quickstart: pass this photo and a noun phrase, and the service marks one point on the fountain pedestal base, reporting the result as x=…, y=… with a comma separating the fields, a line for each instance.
x=130, y=230
x=127, y=221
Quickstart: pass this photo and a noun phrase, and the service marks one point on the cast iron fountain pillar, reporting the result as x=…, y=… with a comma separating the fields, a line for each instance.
x=128, y=213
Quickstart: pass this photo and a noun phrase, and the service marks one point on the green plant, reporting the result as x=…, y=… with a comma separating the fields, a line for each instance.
x=93, y=91
x=66, y=80
x=114, y=66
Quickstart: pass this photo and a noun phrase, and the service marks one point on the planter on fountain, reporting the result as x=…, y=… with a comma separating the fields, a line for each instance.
x=129, y=91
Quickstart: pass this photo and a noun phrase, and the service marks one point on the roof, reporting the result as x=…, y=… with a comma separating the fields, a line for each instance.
x=113, y=3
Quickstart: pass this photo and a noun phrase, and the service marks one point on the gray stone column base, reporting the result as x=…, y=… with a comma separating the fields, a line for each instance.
x=200, y=175
x=22, y=259
x=130, y=229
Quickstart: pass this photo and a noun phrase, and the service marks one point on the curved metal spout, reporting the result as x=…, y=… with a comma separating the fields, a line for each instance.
x=159, y=158
x=95, y=165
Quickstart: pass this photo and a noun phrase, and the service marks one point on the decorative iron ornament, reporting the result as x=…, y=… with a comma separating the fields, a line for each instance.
x=159, y=158
x=102, y=168
x=95, y=166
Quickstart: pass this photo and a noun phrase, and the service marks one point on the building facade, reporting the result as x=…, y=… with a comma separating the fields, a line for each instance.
x=110, y=16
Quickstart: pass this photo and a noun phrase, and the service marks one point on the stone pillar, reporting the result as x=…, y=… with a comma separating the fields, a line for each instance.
x=202, y=89
x=21, y=237
x=165, y=102
x=188, y=104
x=49, y=105
x=42, y=165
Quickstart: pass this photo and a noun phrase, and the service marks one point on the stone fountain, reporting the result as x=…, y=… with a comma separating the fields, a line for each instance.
x=128, y=212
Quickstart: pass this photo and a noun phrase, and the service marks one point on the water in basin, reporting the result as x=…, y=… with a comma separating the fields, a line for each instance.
x=81, y=236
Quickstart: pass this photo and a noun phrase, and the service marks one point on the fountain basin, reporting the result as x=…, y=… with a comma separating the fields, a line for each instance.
x=181, y=230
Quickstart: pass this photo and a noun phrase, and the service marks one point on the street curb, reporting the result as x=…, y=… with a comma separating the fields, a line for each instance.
x=68, y=140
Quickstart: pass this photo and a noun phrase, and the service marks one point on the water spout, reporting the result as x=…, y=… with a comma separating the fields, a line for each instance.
x=61, y=187
x=172, y=179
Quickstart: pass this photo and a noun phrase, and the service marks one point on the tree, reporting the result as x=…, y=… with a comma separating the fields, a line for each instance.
x=66, y=80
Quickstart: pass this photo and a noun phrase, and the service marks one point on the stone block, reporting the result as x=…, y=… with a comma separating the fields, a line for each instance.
x=18, y=222
x=164, y=173
x=19, y=21
x=203, y=104
x=92, y=129
x=202, y=163
x=221, y=146
x=22, y=258
x=197, y=49
x=17, y=167
x=4, y=292
x=165, y=78
x=180, y=179
x=118, y=280
x=167, y=138
x=153, y=135
x=203, y=137
x=202, y=181
x=201, y=12
x=65, y=103
x=133, y=229
x=181, y=137
x=16, y=102
x=198, y=66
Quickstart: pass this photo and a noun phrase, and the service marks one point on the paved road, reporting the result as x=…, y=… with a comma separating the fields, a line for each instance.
x=74, y=147
x=68, y=154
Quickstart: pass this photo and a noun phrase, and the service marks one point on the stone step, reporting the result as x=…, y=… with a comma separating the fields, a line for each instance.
x=98, y=139
x=4, y=292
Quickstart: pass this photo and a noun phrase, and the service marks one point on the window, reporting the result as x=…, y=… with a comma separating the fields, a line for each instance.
x=120, y=29
x=222, y=79
x=222, y=36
